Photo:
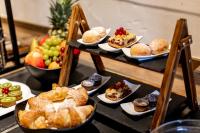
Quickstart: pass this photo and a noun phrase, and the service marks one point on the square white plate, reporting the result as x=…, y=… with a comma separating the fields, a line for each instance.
x=127, y=52
x=26, y=94
x=106, y=47
x=132, y=86
x=105, y=79
x=95, y=43
x=129, y=107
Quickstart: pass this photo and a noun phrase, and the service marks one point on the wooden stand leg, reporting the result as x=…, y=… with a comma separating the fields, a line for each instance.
x=180, y=33
x=190, y=88
x=98, y=63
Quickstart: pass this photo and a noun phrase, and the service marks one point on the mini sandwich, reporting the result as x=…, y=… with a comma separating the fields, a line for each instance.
x=121, y=39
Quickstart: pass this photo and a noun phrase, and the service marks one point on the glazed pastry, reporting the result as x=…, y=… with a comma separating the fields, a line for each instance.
x=8, y=101
x=158, y=46
x=96, y=78
x=55, y=95
x=37, y=103
x=117, y=91
x=141, y=104
x=121, y=39
x=87, y=84
x=17, y=94
x=15, y=88
x=140, y=50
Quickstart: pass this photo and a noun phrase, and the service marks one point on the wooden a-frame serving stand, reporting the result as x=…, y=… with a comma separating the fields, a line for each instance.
x=179, y=53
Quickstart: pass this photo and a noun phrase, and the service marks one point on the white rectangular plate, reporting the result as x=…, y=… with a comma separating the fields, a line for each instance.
x=132, y=86
x=129, y=107
x=107, y=47
x=105, y=79
x=126, y=51
x=95, y=43
x=26, y=94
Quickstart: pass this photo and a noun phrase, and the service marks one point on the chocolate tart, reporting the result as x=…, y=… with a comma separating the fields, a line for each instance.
x=96, y=78
x=141, y=104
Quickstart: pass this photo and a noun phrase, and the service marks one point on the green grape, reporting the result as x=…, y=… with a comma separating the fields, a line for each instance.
x=47, y=62
x=45, y=51
x=49, y=41
x=53, y=48
x=50, y=53
x=55, y=58
x=45, y=45
x=55, y=53
x=46, y=57
x=58, y=47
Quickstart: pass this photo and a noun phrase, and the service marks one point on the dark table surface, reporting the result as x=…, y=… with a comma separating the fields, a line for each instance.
x=108, y=118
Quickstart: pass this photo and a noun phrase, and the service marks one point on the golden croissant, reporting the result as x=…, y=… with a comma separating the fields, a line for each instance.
x=59, y=108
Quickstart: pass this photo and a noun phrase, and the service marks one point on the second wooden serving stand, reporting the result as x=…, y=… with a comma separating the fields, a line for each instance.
x=179, y=53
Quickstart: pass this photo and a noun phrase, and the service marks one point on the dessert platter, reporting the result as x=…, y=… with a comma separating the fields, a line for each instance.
x=11, y=93
x=141, y=51
x=93, y=83
x=118, y=92
x=121, y=39
x=94, y=36
x=58, y=110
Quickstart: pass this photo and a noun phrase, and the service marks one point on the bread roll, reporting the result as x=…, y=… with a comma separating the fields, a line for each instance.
x=91, y=36
x=158, y=46
x=140, y=50
x=100, y=30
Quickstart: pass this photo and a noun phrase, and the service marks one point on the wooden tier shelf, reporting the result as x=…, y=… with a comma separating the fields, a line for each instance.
x=157, y=64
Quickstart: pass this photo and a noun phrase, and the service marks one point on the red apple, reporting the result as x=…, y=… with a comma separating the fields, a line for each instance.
x=35, y=58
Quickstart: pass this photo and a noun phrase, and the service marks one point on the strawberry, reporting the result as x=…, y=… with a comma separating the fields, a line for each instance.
x=43, y=40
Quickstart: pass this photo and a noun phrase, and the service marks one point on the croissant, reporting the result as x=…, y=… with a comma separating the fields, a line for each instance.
x=79, y=95
x=69, y=117
x=32, y=119
x=36, y=103
x=55, y=95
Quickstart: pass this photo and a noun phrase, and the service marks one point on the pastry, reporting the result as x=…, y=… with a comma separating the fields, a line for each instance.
x=87, y=84
x=117, y=91
x=8, y=101
x=158, y=46
x=121, y=39
x=140, y=50
x=100, y=30
x=91, y=36
x=46, y=112
x=141, y=104
x=96, y=78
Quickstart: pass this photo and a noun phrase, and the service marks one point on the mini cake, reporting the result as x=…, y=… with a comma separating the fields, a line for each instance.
x=96, y=78
x=117, y=91
x=17, y=94
x=121, y=39
x=6, y=85
x=15, y=88
x=87, y=84
x=141, y=104
x=8, y=101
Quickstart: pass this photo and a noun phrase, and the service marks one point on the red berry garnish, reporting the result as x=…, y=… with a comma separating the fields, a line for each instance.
x=5, y=90
x=62, y=49
x=76, y=51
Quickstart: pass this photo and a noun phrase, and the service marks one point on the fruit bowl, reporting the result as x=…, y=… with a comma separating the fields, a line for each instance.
x=43, y=74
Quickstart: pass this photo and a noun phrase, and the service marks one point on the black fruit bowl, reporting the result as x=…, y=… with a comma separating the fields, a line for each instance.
x=44, y=75
x=22, y=105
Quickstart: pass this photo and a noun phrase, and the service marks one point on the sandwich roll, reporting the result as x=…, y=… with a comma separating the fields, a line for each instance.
x=100, y=30
x=140, y=49
x=158, y=46
x=91, y=36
